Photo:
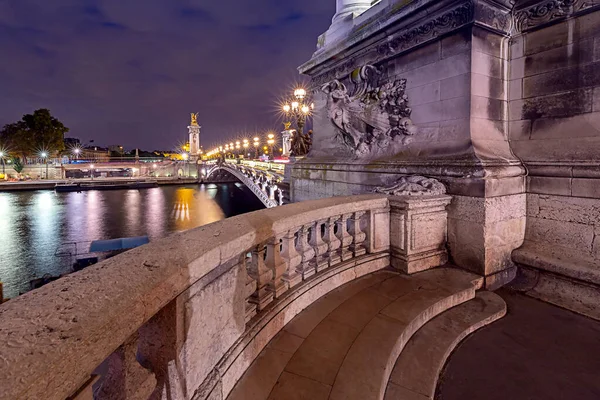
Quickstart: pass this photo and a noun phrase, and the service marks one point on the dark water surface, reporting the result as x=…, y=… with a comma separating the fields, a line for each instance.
x=33, y=225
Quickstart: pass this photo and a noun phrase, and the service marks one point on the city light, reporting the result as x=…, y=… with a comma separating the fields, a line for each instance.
x=44, y=154
x=300, y=93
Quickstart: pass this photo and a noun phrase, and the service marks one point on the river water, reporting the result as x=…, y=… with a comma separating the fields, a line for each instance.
x=33, y=225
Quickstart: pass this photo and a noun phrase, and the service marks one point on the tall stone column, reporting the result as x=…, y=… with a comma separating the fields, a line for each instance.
x=346, y=11
x=349, y=7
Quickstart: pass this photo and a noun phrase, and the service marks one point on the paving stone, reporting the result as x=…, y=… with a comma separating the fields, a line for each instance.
x=306, y=321
x=360, y=309
x=395, y=392
x=322, y=353
x=294, y=387
x=286, y=342
x=259, y=379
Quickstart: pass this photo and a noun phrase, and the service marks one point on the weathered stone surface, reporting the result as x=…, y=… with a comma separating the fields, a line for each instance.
x=549, y=185
x=560, y=233
x=421, y=361
x=562, y=80
x=567, y=209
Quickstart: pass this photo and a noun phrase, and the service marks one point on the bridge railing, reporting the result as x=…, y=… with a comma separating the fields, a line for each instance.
x=185, y=316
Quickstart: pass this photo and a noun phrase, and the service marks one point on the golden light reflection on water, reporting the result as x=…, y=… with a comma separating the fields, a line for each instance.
x=193, y=208
x=34, y=225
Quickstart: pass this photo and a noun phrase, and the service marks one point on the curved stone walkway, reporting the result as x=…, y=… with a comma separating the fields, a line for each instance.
x=537, y=351
x=345, y=345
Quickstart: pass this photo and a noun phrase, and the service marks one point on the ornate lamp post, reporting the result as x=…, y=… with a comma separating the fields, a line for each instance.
x=44, y=155
x=271, y=142
x=299, y=109
x=246, y=144
x=92, y=171
x=256, y=145
x=237, y=149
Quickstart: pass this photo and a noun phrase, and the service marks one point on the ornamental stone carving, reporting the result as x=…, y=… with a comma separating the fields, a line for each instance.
x=429, y=30
x=414, y=186
x=548, y=11
x=425, y=30
x=373, y=117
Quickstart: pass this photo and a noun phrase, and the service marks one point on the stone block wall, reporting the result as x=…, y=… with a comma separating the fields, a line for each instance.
x=504, y=101
x=554, y=117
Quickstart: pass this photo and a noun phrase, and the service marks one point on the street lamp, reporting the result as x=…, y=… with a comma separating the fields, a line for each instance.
x=237, y=148
x=246, y=144
x=256, y=144
x=3, y=168
x=92, y=170
x=44, y=155
x=77, y=151
x=271, y=142
x=299, y=108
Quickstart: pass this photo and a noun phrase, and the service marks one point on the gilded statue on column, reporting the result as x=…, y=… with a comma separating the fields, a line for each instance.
x=194, y=119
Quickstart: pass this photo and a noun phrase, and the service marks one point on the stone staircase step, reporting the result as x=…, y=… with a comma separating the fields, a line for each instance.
x=365, y=371
x=350, y=330
x=259, y=380
x=417, y=369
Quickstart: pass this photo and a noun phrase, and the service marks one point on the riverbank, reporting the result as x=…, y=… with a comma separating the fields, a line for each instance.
x=50, y=184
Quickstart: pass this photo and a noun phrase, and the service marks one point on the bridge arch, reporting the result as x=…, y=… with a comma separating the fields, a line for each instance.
x=267, y=192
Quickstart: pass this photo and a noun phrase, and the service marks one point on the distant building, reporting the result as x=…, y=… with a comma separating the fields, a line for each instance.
x=116, y=149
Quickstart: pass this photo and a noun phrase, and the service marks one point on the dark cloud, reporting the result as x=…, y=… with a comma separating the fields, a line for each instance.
x=130, y=72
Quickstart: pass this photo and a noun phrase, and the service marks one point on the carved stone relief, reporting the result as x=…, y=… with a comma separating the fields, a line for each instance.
x=414, y=186
x=371, y=118
x=548, y=11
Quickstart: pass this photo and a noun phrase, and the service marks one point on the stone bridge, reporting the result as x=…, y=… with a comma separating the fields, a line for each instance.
x=266, y=184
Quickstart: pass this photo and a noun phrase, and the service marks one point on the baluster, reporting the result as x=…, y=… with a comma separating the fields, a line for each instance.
x=292, y=257
x=358, y=236
x=333, y=243
x=307, y=253
x=344, y=237
x=263, y=276
x=276, y=264
x=250, y=288
x=125, y=377
x=321, y=260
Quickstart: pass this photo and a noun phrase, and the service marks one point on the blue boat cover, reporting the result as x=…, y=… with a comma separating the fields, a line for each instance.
x=118, y=244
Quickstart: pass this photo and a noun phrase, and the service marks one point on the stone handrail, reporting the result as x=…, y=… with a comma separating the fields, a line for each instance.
x=177, y=305
x=185, y=316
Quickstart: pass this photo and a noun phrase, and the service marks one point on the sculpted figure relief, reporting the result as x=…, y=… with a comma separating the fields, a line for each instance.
x=371, y=119
x=413, y=185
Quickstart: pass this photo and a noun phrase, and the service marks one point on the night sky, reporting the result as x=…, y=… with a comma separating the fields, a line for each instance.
x=129, y=72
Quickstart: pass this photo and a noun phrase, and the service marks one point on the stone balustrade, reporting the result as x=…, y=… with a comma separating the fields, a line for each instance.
x=185, y=316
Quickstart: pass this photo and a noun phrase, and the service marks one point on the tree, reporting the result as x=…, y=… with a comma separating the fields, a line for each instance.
x=35, y=132
x=17, y=165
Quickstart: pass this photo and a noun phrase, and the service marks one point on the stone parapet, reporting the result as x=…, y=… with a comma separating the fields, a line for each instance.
x=183, y=317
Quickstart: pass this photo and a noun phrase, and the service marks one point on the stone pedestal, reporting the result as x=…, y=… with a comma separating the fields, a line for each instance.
x=418, y=230
x=483, y=232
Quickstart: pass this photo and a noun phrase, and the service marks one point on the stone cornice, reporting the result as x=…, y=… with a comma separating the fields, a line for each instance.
x=549, y=11
x=402, y=39
x=373, y=41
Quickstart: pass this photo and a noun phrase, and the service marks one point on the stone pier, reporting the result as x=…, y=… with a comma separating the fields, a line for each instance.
x=496, y=100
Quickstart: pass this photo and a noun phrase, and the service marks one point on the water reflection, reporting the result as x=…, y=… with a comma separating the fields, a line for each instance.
x=33, y=225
